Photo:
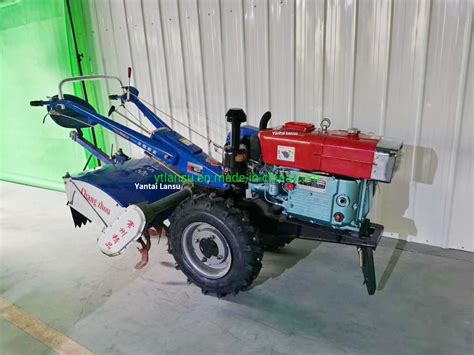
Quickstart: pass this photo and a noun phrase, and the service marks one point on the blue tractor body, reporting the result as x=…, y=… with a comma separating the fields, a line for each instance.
x=176, y=180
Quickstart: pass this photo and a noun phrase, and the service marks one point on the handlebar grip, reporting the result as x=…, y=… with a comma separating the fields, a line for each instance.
x=36, y=103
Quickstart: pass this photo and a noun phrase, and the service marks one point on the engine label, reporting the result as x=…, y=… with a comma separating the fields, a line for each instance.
x=286, y=153
x=312, y=182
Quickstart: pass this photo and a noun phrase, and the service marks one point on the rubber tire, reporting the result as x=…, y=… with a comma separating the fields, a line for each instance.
x=235, y=226
x=272, y=242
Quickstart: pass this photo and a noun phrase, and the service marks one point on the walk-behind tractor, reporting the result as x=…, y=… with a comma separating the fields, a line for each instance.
x=272, y=186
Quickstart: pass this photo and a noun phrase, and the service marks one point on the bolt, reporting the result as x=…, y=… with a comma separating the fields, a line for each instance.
x=196, y=241
x=213, y=237
x=204, y=259
x=219, y=257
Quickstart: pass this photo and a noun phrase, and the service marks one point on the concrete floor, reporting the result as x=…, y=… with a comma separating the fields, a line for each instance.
x=308, y=298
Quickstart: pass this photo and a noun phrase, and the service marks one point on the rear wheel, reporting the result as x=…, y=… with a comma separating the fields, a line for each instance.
x=214, y=245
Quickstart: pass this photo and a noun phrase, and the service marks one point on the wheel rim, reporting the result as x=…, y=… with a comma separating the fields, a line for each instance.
x=206, y=250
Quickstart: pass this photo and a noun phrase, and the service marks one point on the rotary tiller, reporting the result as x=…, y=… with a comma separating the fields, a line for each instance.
x=272, y=186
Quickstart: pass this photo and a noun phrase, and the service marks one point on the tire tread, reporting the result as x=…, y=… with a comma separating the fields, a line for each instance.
x=236, y=220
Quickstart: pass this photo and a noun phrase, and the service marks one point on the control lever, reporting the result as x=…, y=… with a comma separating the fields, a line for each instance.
x=37, y=103
x=129, y=74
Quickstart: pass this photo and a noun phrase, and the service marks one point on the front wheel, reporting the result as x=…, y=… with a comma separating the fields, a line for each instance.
x=214, y=245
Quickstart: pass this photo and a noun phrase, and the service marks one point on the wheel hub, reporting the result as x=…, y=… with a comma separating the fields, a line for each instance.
x=206, y=249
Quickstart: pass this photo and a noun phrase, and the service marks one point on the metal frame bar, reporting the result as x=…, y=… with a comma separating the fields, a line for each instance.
x=170, y=156
x=85, y=78
x=369, y=237
x=99, y=154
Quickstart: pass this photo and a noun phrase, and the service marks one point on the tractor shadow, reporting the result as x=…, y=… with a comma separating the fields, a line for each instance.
x=418, y=166
x=277, y=262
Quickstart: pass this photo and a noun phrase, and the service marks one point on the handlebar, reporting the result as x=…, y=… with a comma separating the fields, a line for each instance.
x=37, y=103
x=86, y=78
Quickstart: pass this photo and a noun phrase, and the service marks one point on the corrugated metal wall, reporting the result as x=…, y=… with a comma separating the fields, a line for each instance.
x=401, y=68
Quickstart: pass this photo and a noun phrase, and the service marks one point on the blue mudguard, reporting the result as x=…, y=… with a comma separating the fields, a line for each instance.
x=132, y=182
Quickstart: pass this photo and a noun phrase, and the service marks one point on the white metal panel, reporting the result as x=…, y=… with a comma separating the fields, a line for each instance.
x=397, y=67
x=408, y=52
x=211, y=42
x=192, y=53
x=156, y=58
x=282, y=60
x=309, y=65
x=460, y=233
x=339, y=61
x=406, y=84
x=372, y=65
x=232, y=21
x=139, y=54
x=256, y=59
x=439, y=120
x=170, y=22
x=124, y=59
x=102, y=17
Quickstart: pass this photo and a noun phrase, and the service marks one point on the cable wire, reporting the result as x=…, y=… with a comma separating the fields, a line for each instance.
x=139, y=125
x=209, y=141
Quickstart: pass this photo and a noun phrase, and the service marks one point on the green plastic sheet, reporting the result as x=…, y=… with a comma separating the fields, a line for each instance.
x=36, y=52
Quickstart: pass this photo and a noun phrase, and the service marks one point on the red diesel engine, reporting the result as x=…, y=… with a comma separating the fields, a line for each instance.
x=322, y=176
x=346, y=153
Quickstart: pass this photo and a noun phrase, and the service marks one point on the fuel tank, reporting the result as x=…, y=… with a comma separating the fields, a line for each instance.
x=346, y=153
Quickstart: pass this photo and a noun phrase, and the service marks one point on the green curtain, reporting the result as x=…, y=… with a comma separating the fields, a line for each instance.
x=36, y=52
x=80, y=12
